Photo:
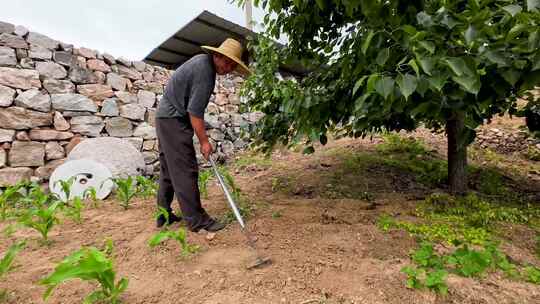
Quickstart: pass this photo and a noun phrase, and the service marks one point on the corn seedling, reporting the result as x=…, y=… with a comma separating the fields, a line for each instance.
x=179, y=236
x=6, y=198
x=125, y=191
x=91, y=194
x=6, y=263
x=146, y=187
x=66, y=185
x=74, y=210
x=88, y=264
x=162, y=212
x=204, y=177
x=41, y=218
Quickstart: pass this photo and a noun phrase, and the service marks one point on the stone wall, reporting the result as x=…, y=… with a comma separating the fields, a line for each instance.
x=53, y=95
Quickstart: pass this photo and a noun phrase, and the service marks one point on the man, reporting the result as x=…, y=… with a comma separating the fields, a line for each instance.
x=180, y=113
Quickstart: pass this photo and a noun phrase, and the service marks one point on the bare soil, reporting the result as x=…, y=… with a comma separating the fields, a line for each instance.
x=325, y=249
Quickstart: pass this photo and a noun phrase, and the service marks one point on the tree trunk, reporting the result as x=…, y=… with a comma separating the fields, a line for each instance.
x=457, y=155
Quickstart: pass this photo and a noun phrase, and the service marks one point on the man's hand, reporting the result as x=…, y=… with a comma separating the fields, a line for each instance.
x=206, y=150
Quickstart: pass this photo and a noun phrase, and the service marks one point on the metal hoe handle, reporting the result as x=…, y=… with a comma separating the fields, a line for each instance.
x=227, y=194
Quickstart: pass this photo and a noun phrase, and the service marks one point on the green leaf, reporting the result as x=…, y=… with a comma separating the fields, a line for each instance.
x=372, y=79
x=496, y=58
x=359, y=83
x=382, y=57
x=159, y=238
x=512, y=9
x=457, y=65
x=7, y=260
x=407, y=84
x=424, y=19
x=470, y=84
x=427, y=64
x=436, y=280
x=533, y=5
x=321, y=4
x=385, y=86
x=437, y=81
x=414, y=66
x=367, y=42
x=428, y=45
x=511, y=76
x=470, y=34
x=449, y=21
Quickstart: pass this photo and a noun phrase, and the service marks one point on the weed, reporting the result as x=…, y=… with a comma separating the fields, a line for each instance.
x=252, y=159
x=532, y=274
x=74, y=210
x=533, y=153
x=6, y=263
x=146, y=187
x=179, y=236
x=241, y=202
x=6, y=200
x=88, y=264
x=126, y=190
x=204, y=177
x=41, y=218
x=393, y=143
x=276, y=214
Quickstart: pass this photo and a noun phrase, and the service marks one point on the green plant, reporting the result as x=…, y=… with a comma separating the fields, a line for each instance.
x=6, y=263
x=162, y=212
x=146, y=187
x=532, y=274
x=533, y=153
x=179, y=236
x=66, y=186
x=276, y=214
x=204, y=177
x=88, y=264
x=6, y=198
x=393, y=143
x=125, y=191
x=74, y=210
x=91, y=193
x=41, y=218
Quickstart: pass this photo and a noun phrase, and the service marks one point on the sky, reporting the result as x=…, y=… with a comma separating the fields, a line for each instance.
x=122, y=28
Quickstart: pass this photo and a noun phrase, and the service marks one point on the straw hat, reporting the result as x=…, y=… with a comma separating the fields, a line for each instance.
x=232, y=49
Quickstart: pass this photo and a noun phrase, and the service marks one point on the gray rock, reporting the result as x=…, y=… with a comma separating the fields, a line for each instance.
x=64, y=58
x=240, y=144
x=146, y=98
x=22, y=136
x=109, y=59
x=216, y=135
x=224, y=118
x=234, y=99
x=7, y=56
x=116, y=154
x=76, y=113
x=133, y=111
x=6, y=96
x=51, y=70
x=45, y=172
x=148, y=86
x=39, y=52
x=54, y=86
x=212, y=108
x=13, y=41
x=80, y=62
x=136, y=142
x=148, y=76
x=221, y=99
x=66, y=47
x=150, y=157
x=109, y=107
x=227, y=147
x=85, y=52
x=12, y=176
x=20, y=79
x=48, y=134
x=151, y=117
x=212, y=121
x=21, y=54
x=3, y=158
x=124, y=61
x=6, y=135
x=53, y=150
x=126, y=97
x=6, y=27
x=20, y=31
x=255, y=116
x=73, y=102
x=27, y=63
x=33, y=99
x=117, y=82
x=145, y=131
x=231, y=108
x=238, y=120
x=27, y=154
x=42, y=40
x=81, y=75
x=96, y=92
x=129, y=73
x=119, y=127
x=149, y=145
x=21, y=118
x=87, y=125
x=98, y=65
x=60, y=123
x=139, y=66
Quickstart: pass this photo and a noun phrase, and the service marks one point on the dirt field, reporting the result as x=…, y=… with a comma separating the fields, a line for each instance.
x=325, y=249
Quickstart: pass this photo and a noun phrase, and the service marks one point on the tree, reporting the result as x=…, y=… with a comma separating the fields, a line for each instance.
x=393, y=65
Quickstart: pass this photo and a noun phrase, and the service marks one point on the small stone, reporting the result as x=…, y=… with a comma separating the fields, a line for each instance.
x=39, y=52
x=146, y=98
x=42, y=40
x=87, y=125
x=231, y=108
x=60, y=123
x=98, y=65
x=147, y=76
x=33, y=99
x=6, y=135
x=145, y=131
x=148, y=86
x=227, y=147
x=117, y=82
x=151, y=117
x=47, y=134
x=240, y=144
x=82, y=76
x=7, y=56
x=133, y=111
x=54, y=86
x=3, y=158
x=45, y=172
x=139, y=66
x=72, y=143
x=73, y=102
x=6, y=96
x=26, y=154
x=129, y=73
x=20, y=31
x=53, y=150
x=27, y=63
x=216, y=135
x=212, y=121
x=20, y=118
x=76, y=113
x=64, y=58
x=255, y=116
x=210, y=236
x=66, y=47
x=21, y=54
x=221, y=99
x=126, y=97
x=119, y=127
x=109, y=107
x=86, y=53
x=150, y=157
x=148, y=145
x=124, y=61
x=13, y=41
x=101, y=77
x=109, y=59
x=136, y=142
x=12, y=176
x=212, y=108
x=80, y=62
x=51, y=70
x=96, y=92
x=22, y=136
x=234, y=99
x=6, y=27
x=238, y=120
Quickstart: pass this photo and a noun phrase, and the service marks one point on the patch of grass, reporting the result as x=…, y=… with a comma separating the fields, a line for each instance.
x=533, y=153
x=393, y=143
x=283, y=184
x=276, y=214
x=252, y=159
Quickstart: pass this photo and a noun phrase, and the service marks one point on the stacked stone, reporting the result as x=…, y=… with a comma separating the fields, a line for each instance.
x=505, y=141
x=53, y=95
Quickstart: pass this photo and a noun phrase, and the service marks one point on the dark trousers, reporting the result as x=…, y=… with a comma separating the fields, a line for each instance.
x=179, y=172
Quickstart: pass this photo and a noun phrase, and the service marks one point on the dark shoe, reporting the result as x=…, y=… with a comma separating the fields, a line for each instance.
x=215, y=226
x=172, y=218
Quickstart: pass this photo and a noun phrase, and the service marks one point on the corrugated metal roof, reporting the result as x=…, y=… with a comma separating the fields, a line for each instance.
x=205, y=29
